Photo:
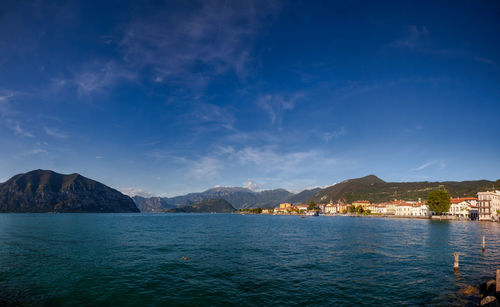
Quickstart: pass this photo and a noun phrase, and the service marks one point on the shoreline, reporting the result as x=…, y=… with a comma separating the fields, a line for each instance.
x=434, y=217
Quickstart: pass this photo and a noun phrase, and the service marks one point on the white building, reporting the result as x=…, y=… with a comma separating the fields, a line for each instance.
x=489, y=205
x=302, y=207
x=464, y=207
x=420, y=209
x=331, y=209
x=404, y=209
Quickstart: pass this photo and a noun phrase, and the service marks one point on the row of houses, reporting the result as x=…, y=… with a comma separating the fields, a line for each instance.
x=485, y=207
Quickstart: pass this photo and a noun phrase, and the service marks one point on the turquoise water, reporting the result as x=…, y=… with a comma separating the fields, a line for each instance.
x=137, y=259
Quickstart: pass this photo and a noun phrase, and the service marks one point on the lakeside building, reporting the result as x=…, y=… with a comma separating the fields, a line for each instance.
x=343, y=208
x=464, y=207
x=390, y=208
x=404, y=209
x=420, y=209
x=331, y=209
x=302, y=207
x=488, y=205
x=361, y=203
x=372, y=208
x=285, y=206
x=380, y=209
x=411, y=209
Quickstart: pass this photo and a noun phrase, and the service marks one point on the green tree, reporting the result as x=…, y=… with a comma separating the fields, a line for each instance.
x=438, y=201
x=312, y=206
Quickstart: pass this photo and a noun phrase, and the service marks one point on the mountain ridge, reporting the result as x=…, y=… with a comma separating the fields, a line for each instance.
x=239, y=197
x=47, y=191
x=374, y=189
x=213, y=205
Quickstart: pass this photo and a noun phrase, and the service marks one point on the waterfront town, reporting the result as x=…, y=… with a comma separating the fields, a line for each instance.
x=484, y=207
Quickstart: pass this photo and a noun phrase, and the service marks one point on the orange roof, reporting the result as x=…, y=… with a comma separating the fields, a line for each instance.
x=461, y=199
x=361, y=202
x=404, y=204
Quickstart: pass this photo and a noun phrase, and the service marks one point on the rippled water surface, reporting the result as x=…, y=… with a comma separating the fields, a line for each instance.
x=137, y=259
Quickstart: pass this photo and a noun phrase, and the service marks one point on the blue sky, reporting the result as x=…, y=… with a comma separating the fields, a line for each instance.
x=165, y=98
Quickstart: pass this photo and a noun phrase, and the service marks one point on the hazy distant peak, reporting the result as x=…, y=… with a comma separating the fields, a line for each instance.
x=228, y=189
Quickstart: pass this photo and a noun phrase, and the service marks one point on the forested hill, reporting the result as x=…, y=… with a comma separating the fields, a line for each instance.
x=206, y=206
x=376, y=190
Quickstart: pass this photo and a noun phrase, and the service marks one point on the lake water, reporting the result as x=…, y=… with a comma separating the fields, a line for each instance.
x=137, y=259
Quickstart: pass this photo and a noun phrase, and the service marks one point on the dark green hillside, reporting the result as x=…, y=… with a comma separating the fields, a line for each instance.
x=206, y=206
x=376, y=190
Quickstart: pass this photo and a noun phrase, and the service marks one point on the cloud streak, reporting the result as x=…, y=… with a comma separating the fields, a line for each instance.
x=275, y=105
x=428, y=164
x=196, y=45
x=54, y=133
x=414, y=38
x=327, y=136
x=18, y=130
x=98, y=76
x=135, y=192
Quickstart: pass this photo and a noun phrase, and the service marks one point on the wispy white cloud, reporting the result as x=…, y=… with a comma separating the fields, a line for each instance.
x=252, y=185
x=98, y=76
x=5, y=106
x=158, y=154
x=206, y=168
x=428, y=164
x=327, y=136
x=54, y=133
x=276, y=104
x=5, y=95
x=213, y=39
x=37, y=151
x=269, y=159
x=485, y=61
x=354, y=88
x=18, y=130
x=414, y=37
x=417, y=39
x=135, y=192
x=210, y=114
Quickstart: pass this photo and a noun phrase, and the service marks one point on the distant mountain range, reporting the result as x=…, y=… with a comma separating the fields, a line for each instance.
x=377, y=190
x=206, y=206
x=240, y=198
x=369, y=188
x=48, y=191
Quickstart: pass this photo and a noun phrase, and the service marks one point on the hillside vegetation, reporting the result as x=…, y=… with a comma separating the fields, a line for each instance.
x=376, y=190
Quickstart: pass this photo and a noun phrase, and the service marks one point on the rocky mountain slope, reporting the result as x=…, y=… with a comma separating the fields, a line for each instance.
x=48, y=191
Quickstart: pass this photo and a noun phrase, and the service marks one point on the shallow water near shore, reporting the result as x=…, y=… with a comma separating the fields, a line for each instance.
x=137, y=259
